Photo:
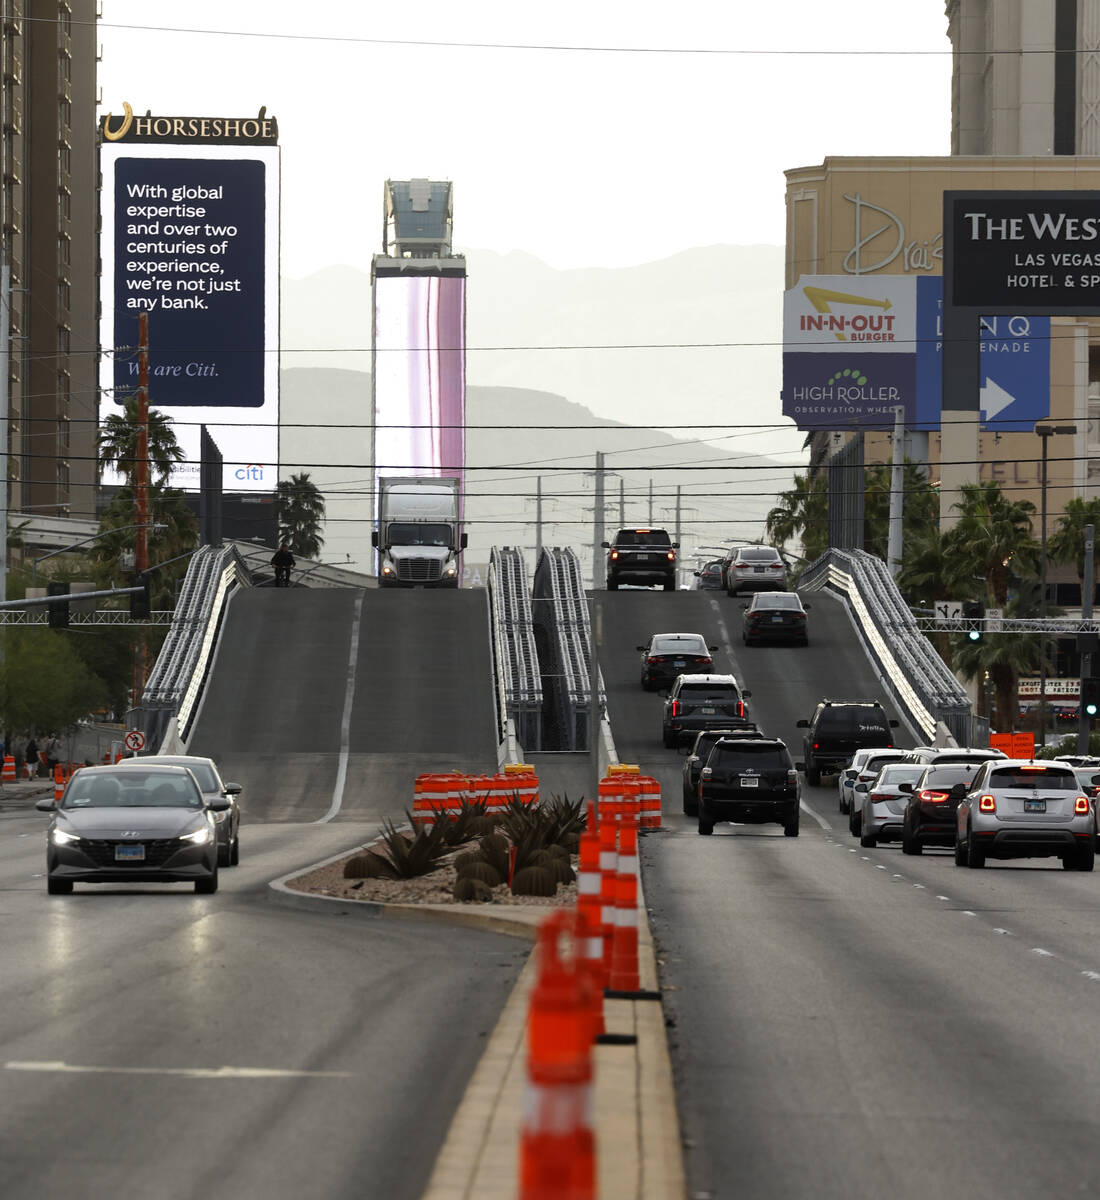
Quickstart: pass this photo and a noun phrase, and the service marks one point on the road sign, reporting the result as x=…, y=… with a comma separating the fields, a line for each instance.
x=135, y=740
x=948, y=613
x=994, y=621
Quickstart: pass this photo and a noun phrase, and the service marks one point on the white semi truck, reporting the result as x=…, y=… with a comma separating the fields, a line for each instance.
x=419, y=534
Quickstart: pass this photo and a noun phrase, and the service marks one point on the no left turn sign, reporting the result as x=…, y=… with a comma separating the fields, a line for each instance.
x=135, y=739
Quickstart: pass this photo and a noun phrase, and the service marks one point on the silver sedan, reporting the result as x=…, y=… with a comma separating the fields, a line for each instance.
x=880, y=804
x=1020, y=808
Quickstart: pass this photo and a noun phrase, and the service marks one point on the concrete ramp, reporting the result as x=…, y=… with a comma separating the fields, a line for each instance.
x=420, y=681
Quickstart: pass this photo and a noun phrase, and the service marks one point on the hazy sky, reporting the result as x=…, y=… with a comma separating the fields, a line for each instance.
x=607, y=151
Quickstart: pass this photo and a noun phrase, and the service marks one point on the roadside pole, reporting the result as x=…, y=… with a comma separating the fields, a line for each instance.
x=894, y=548
x=1084, y=721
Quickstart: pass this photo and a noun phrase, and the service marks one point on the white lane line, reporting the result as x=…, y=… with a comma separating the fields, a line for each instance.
x=1093, y=975
x=1006, y=932
x=820, y=820
x=943, y=897
x=879, y=867
x=920, y=886
x=897, y=876
x=967, y=913
x=345, y=723
x=1041, y=952
x=865, y=857
x=64, y=1068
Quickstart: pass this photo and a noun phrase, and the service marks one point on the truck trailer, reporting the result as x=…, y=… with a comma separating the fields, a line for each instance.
x=419, y=536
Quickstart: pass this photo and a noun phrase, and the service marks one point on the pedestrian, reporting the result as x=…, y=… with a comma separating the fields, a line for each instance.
x=283, y=562
x=32, y=756
x=19, y=753
x=53, y=754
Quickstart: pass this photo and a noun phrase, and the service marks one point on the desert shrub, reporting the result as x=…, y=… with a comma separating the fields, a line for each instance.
x=494, y=850
x=471, y=889
x=464, y=860
x=534, y=881
x=368, y=865
x=485, y=872
x=411, y=855
x=467, y=821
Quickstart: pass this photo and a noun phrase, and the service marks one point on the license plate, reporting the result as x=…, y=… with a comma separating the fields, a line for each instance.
x=750, y=781
x=777, y=619
x=129, y=854
x=758, y=570
x=707, y=712
x=679, y=663
x=1035, y=806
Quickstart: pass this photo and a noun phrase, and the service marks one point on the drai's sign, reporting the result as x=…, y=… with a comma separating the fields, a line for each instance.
x=1032, y=251
x=879, y=238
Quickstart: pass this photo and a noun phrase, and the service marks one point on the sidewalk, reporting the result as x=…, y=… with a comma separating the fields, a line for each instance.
x=638, y=1147
x=21, y=794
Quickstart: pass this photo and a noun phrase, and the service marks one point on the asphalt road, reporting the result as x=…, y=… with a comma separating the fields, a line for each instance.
x=155, y=1043
x=848, y=1022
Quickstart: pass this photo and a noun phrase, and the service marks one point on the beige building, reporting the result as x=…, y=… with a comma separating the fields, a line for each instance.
x=872, y=217
x=49, y=249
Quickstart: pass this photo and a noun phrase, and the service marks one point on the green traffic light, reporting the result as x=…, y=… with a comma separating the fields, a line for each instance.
x=974, y=635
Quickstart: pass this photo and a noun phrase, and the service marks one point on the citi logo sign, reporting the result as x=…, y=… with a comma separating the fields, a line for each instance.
x=250, y=471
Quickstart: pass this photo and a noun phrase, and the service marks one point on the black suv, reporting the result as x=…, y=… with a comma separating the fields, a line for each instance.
x=699, y=702
x=697, y=757
x=837, y=730
x=751, y=780
x=641, y=556
x=930, y=810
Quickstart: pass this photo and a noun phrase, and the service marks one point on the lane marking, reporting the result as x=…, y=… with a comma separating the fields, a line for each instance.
x=64, y=1068
x=919, y=885
x=1041, y=952
x=345, y=723
x=1006, y=932
x=820, y=820
x=943, y=897
x=968, y=913
x=879, y=867
x=1093, y=975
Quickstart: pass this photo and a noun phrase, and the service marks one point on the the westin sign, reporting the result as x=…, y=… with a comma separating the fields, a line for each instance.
x=1028, y=251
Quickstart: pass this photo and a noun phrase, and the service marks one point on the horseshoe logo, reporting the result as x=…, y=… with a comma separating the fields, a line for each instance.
x=123, y=129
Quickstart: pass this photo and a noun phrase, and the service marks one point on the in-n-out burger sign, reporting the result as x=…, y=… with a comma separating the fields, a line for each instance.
x=260, y=130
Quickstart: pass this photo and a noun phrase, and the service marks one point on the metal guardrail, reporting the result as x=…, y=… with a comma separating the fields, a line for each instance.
x=910, y=669
x=176, y=681
x=519, y=684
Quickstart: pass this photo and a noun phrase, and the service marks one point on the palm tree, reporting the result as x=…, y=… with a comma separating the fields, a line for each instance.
x=991, y=542
x=1067, y=542
x=1004, y=658
x=802, y=511
x=300, y=512
x=920, y=507
x=118, y=443
x=180, y=535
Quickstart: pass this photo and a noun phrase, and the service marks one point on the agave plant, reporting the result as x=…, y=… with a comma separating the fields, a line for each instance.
x=467, y=822
x=407, y=856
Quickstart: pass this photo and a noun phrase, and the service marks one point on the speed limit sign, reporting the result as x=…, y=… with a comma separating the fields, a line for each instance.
x=135, y=740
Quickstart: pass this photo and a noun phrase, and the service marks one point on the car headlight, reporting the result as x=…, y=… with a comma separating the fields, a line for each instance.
x=61, y=837
x=219, y=817
x=200, y=837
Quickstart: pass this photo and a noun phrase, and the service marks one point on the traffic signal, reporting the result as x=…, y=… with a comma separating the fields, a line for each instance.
x=973, y=612
x=59, y=611
x=141, y=605
x=1090, y=696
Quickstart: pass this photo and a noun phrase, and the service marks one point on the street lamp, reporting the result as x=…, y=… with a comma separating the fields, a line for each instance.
x=1044, y=433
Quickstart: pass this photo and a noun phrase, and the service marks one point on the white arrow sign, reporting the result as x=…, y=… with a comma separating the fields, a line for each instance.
x=994, y=399
x=948, y=612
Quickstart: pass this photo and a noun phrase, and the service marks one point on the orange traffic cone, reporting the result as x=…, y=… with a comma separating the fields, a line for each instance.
x=624, y=949
x=590, y=914
x=609, y=867
x=58, y=784
x=557, y=1145
x=7, y=774
x=651, y=803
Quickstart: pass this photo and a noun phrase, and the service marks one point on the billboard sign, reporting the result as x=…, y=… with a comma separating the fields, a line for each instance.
x=419, y=372
x=190, y=236
x=852, y=350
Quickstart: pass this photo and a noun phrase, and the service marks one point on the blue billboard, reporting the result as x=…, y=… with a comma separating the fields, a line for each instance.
x=847, y=390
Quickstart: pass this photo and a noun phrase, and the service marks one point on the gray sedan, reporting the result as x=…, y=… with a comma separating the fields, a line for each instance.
x=1020, y=808
x=132, y=825
x=878, y=806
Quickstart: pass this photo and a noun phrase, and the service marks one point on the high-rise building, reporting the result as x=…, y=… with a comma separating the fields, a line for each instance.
x=1026, y=76
x=48, y=252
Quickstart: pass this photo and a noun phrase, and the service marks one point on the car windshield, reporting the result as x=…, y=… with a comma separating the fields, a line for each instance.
x=948, y=774
x=1050, y=779
x=132, y=788
x=1088, y=776
x=758, y=556
x=749, y=757
x=696, y=692
x=408, y=534
x=643, y=537
x=778, y=600
x=877, y=762
x=900, y=773
x=680, y=644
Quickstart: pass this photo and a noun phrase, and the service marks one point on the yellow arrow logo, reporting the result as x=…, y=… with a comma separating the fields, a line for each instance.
x=821, y=298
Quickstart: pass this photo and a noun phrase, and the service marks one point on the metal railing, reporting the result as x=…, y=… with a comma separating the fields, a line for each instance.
x=519, y=684
x=915, y=676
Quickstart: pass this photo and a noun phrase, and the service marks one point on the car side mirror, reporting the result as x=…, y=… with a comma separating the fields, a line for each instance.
x=374, y=540
x=806, y=607
x=802, y=724
x=894, y=724
x=696, y=574
x=713, y=649
x=232, y=789
x=643, y=649
x=676, y=545
x=46, y=804
x=606, y=545
x=959, y=790
x=800, y=766
x=745, y=604
x=219, y=804
x=746, y=693
x=862, y=787
x=905, y=787
x=465, y=541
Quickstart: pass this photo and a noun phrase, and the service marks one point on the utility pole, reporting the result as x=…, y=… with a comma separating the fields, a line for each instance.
x=597, y=518
x=5, y=414
x=622, y=503
x=651, y=504
x=141, y=489
x=677, y=536
x=1084, y=721
x=897, y=484
x=538, y=520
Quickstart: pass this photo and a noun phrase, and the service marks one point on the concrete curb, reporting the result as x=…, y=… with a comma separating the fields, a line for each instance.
x=638, y=1145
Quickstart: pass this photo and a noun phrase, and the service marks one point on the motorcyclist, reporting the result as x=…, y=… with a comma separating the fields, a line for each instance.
x=282, y=560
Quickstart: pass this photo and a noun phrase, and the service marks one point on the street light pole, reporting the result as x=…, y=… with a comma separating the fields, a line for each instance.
x=1044, y=433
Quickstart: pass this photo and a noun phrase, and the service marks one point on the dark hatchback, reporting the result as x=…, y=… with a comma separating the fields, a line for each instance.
x=929, y=817
x=670, y=654
x=698, y=702
x=132, y=825
x=709, y=577
x=697, y=757
x=751, y=780
x=775, y=617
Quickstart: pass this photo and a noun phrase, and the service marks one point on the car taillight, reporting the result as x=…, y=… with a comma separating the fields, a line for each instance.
x=676, y=708
x=705, y=773
x=614, y=554
x=1081, y=805
x=986, y=803
x=933, y=797
x=653, y=658
x=792, y=777
x=800, y=616
x=777, y=566
x=671, y=555
x=817, y=745
x=740, y=708
x=705, y=662
x=879, y=797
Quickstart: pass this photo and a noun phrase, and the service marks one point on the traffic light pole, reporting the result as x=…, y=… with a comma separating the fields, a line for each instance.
x=1084, y=721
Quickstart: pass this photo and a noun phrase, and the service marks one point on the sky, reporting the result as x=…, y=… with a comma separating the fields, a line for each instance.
x=588, y=135
x=601, y=134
